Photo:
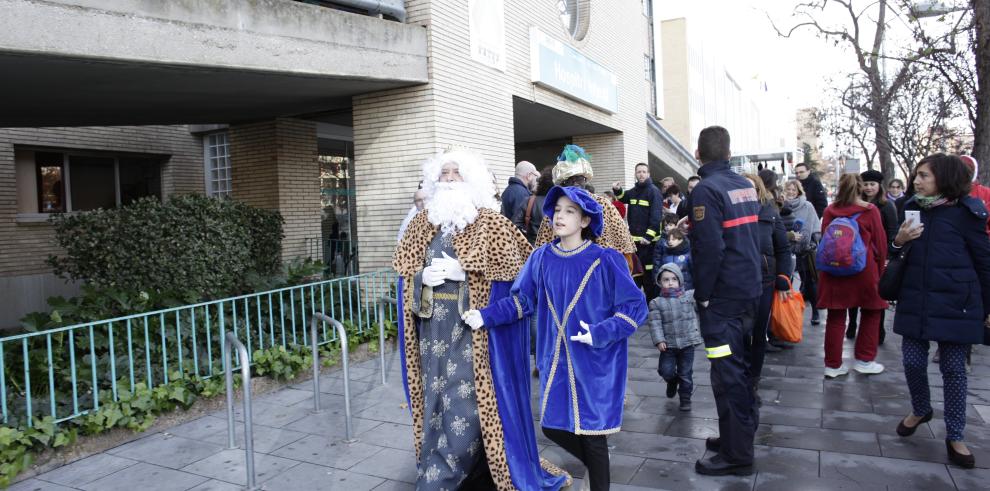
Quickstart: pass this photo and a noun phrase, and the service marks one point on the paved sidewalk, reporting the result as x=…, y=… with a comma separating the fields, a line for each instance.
x=815, y=434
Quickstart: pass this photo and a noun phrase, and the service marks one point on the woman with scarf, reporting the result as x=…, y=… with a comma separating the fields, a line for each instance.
x=945, y=292
x=805, y=224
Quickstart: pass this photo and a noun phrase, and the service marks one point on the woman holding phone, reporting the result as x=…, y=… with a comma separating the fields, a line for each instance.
x=945, y=292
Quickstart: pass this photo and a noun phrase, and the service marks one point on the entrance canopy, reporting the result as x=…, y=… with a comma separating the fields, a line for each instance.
x=135, y=62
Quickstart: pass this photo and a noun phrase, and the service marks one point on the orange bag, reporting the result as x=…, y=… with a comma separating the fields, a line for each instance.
x=787, y=315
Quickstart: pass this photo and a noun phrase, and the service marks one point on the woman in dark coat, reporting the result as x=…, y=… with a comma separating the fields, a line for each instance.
x=945, y=293
x=873, y=192
x=775, y=252
x=840, y=293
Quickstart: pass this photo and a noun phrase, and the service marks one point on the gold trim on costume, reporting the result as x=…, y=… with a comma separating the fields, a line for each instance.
x=555, y=247
x=446, y=296
x=567, y=351
x=627, y=319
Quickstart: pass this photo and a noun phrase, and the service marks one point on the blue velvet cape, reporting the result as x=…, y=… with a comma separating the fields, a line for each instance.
x=582, y=387
x=509, y=355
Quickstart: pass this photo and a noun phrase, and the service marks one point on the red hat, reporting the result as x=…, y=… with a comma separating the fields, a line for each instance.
x=973, y=165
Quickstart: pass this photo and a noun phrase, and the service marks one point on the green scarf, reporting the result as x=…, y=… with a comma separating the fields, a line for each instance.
x=929, y=202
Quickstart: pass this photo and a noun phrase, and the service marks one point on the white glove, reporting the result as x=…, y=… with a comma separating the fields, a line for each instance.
x=473, y=318
x=584, y=337
x=451, y=267
x=433, y=275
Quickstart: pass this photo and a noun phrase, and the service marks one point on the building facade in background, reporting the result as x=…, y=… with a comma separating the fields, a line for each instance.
x=321, y=111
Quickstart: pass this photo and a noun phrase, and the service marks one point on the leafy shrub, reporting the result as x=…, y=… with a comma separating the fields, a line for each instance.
x=189, y=245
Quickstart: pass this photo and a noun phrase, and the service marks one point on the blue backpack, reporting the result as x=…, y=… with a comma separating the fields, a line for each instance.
x=841, y=252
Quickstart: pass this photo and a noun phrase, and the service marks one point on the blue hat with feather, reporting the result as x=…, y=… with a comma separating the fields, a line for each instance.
x=591, y=208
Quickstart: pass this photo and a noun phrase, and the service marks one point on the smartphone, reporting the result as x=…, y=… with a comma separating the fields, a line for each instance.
x=912, y=216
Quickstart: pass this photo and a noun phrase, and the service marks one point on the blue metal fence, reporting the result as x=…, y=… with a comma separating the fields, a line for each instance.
x=61, y=372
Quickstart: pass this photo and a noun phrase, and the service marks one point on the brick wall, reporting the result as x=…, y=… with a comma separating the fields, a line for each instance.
x=274, y=166
x=470, y=104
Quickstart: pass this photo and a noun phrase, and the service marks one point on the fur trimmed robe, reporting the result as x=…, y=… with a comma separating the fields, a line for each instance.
x=492, y=252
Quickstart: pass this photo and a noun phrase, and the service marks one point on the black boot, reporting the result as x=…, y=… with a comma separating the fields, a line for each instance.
x=851, y=331
x=671, y=388
x=685, y=403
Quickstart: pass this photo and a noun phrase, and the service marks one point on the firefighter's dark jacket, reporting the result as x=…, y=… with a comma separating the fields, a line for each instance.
x=725, y=245
x=645, y=210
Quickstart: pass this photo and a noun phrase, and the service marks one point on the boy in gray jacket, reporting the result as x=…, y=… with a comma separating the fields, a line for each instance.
x=674, y=326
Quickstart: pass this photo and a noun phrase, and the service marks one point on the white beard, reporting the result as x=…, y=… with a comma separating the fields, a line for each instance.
x=451, y=207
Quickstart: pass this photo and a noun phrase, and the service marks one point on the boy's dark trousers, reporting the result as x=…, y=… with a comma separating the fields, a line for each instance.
x=678, y=363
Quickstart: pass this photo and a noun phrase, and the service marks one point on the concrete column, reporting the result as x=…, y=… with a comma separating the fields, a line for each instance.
x=274, y=166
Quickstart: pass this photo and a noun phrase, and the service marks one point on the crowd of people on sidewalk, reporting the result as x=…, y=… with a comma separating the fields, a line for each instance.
x=565, y=275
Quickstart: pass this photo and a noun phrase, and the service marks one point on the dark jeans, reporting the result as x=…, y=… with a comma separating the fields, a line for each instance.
x=591, y=450
x=647, y=281
x=727, y=326
x=809, y=281
x=760, y=327
x=678, y=363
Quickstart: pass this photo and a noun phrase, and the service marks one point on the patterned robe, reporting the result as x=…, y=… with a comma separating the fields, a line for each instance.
x=452, y=440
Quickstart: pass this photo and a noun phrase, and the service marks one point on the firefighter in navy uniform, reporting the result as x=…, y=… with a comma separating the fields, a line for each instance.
x=644, y=214
x=725, y=250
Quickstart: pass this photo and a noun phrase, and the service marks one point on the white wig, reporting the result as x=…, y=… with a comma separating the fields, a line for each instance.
x=472, y=168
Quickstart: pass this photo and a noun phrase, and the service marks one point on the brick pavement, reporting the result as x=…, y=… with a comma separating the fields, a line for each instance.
x=815, y=434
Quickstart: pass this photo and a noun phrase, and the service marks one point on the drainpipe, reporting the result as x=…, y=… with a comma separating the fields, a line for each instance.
x=392, y=8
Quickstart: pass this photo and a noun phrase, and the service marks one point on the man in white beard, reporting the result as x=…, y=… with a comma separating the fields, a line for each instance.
x=468, y=391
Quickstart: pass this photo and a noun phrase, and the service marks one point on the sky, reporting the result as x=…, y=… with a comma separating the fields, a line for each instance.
x=795, y=68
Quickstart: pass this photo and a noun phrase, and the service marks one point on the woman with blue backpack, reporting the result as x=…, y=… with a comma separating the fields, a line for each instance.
x=944, y=293
x=850, y=259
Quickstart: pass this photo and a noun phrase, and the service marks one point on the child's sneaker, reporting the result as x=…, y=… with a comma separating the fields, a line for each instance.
x=685, y=404
x=671, y=388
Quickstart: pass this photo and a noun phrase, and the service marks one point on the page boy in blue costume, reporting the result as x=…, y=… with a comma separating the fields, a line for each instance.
x=587, y=305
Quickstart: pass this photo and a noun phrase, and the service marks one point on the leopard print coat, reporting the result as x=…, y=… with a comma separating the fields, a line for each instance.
x=615, y=233
x=490, y=249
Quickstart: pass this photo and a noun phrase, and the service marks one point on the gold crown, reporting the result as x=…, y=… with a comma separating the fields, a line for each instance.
x=566, y=169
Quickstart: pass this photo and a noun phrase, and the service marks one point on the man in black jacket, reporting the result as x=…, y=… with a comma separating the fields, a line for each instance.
x=813, y=188
x=645, y=211
x=516, y=196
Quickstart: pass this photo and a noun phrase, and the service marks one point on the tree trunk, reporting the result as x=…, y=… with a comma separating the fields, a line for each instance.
x=881, y=125
x=981, y=134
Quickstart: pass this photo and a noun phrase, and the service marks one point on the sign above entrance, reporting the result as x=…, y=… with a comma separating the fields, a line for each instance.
x=565, y=70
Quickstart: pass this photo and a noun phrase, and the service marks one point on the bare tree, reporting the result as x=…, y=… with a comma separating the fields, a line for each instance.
x=960, y=53
x=844, y=119
x=859, y=19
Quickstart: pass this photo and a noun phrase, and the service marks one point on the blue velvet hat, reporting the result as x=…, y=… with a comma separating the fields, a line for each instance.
x=588, y=205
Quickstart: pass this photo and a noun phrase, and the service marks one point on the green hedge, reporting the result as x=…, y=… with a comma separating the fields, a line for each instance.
x=188, y=246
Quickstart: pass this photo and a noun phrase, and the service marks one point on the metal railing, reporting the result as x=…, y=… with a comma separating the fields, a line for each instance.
x=69, y=371
x=381, y=330
x=342, y=336
x=231, y=342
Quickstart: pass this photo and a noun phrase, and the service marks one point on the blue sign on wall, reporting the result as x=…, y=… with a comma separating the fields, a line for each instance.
x=563, y=69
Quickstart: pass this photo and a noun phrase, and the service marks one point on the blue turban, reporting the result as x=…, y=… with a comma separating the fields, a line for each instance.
x=584, y=199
